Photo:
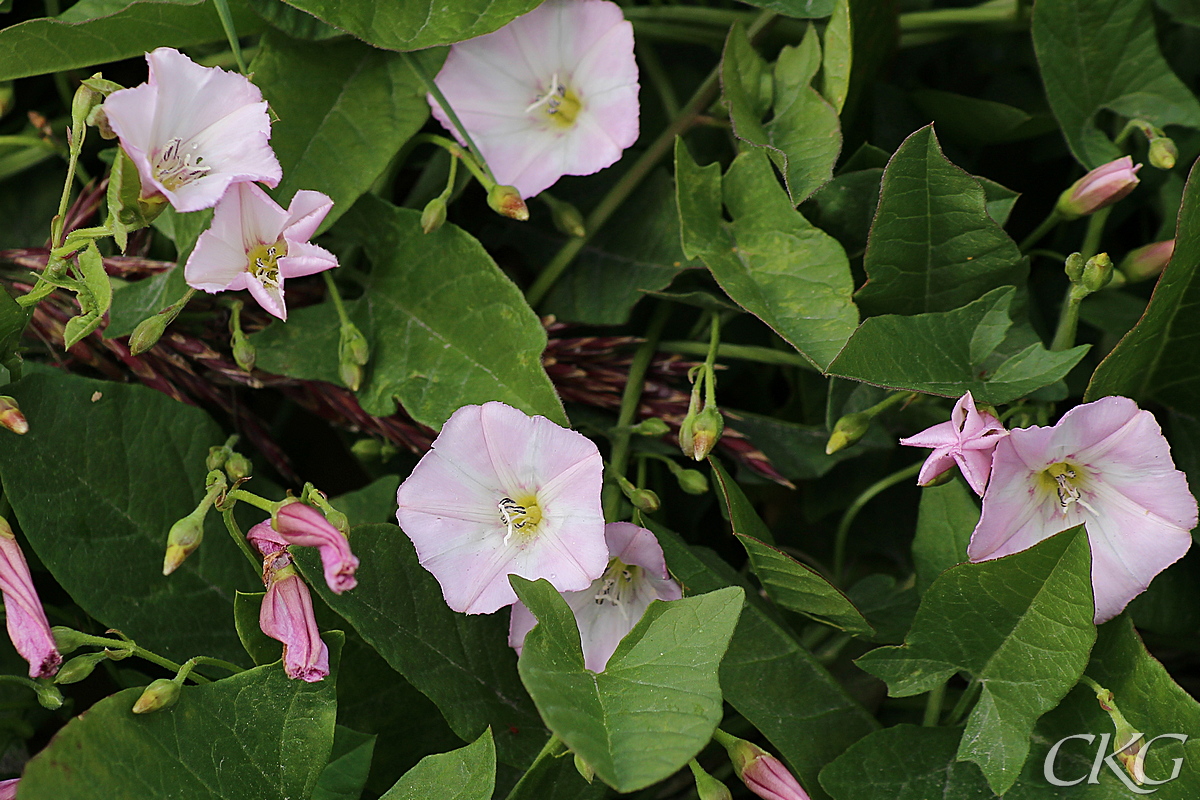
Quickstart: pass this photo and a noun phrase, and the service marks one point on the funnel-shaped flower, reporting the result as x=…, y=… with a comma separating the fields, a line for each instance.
x=192, y=131
x=297, y=523
x=1106, y=465
x=1147, y=261
x=503, y=493
x=8, y=789
x=26, y=621
x=254, y=244
x=286, y=615
x=1101, y=187
x=968, y=440
x=553, y=93
x=609, y=609
x=763, y=773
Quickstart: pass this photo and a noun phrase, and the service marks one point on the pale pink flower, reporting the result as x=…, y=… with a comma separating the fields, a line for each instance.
x=26, y=621
x=968, y=440
x=1106, y=465
x=286, y=615
x=1101, y=187
x=192, y=131
x=504, y=493
x=300, y=524
x=608, y=610
x=8, y=789
x=254, y=244
x=1147, y=261
x=553, y=93
x=763, y=773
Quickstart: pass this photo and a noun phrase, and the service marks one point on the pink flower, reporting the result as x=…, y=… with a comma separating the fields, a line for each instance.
x=8, y=789
x=968, y=440
x=26, y=621
x=503, y=493
x=553, y=93
x=254, y=244
x=1147, y=261
x=192, y=131
x=608, y=610
x=1106, y=465
x=297, y=523
x=763, y=773
x=287, y=616
x=1101, y=187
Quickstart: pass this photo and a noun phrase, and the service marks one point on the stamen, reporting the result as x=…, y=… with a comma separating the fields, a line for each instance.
x=514, y=515
x=548, y=99
x=174, y=169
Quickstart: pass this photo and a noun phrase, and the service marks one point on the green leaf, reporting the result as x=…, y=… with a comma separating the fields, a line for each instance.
x=837, y=56
x=469, y=772
x=416, y=24
x=952, y=352
x=430, y=354
x=771, y=261
x=344, y=111
x=1158, y=359
x=657, y=702
x=736, y=507
x=1102, y=55
x=463, y=663
x=888, y=604
x=976, y=122
x=98, y=31
x=375, y=502
x=96, y=485
x=349, y=763
x=13, y=320
x=1021, y=626
x=803, y=9
x=946, y=519
x=802, y=589
x=293, y=21
x=257, y=735
x=798, y=451
x=905, y=762
x=770, y=679
x=933, y=246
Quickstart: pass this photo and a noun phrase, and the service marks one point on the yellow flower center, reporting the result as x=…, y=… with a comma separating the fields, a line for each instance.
x=521, y=517
x=174, y=168
x=558, y=104
x=616, y=583
x=263, y=262
x=1064, y=479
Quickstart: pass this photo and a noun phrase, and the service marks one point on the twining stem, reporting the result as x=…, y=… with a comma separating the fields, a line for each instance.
x=1048, y=224
x=551, y=749
x=933, y=705
x=266, y=505
x=331, y=286
x=236, y=532
x=699, y=102
x=231, y=34
x=630, y=398
x=432, y=88
x=135, y=649
x=839, y=543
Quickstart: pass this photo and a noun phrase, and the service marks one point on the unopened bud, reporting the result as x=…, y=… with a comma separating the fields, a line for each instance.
x=708, y=787
x=67, y=640
x=11, y=416
x=217, y=456
x=147, y=333
x=367, y=448
x=48, y=695
x=185, y=536
x=642, y=499
x=506, y=201
x=847, y=431
x=244, y=353
x=691, y=481
x=1126, y=740
x=78, y=668
x=1097, y=272
x=583, y=768
x=350, y=375
x=1073, y=266
x=162, y=693
x=433, y=215
x=566, y=217
x=706, y=430
x=238, y=467
x=1098, y=189
x=353, y=353
x=1163, y=152
x=1148, y=261
x=653, y=426
x=85, y=100
x=763, y=773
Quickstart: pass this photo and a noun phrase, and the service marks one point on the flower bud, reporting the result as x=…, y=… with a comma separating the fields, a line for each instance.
x=706, y=430
x=847, y=431
x=1147, y=261
x=218, y=454
x=160, y=694
x=85, y=100
x=238, y=467
x=147, y=333
x=763, y=773
x=67, y=640
x=1098, y=189
x=244, y=353
x=367, y=449
x=185, y=536
x=350, y=375
x=353, y=353
x=1163, y=152
x=11, y=416
x=78, y=668
x=506, y=201
x=584, y=769
x=642, y=499
x=566, y=217
x=433, y=215
x=1126, y=740
x=1073, y=266
x=652, y=426
x=98, y=119
x=1097, y=272
x=708, y=787
x=691, y=481
x=48, y=695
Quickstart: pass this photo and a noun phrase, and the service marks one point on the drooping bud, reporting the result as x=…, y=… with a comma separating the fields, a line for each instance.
x=1148, y=261
x=244, y=353
x=708, y=787
x=506, y=201
x=160, y=694
x=147, y=333
x=763, y=773
x=1098, y=189
x=11, y=416
x=433, y=216
x=642, y=499
x=78, y=668
x=847, y=431
x=1073, y=266
x=1097, y=272
x=183, y=539
x=1163, y=152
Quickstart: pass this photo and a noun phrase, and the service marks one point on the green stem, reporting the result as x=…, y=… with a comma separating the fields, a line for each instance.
x=432, y=88
x=550, y=749
x=659, y=77
x=25, y=141
x=336, y=296
x=1068, y=319
x=763, y=355
x=630, y=398
x=20, y=680
x=703, y=97
x=219, y=663
x=960, y=708
x=1095, y=229
x=135, y=649
x=263, y=503
x=839, y=544
x=933, y=705
x=456, y=152
x=231, y=34
x=236, y=532
x=1048, y=224
x=989, y=13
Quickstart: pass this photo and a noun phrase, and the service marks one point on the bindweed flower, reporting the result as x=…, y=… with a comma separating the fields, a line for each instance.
x=1147, y=261
x=1101, y=187
x=192, y=131
x=255, y=244
x=968, y=440
x=287, y=616
x=11, y=416
x=608, y=610
x=763, y=773
x=297, y=523
x=1107, y=465
x=553, y=93
x=26, y=621
x=8, y=789
x=503, y=493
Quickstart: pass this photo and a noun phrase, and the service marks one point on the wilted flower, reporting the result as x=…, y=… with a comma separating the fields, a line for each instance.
x=254, y=244
x=1107, y=465
x=1147, y=261
x=763, y=773
x=968, y=440
x=26, y=621
x=287, y=616
x=192, y=131
x=552, y=93
x=503, y=493
x=1101, y=187
x=300, y=524
x=609, y=609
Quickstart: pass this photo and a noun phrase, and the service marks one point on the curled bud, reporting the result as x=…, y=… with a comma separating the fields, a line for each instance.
x=433, y=216
x=185, y=536
x=160, y=694
x=1163, y=152
x=78, y=668
x=11, y=416
x=506, y=201
x=1097, y=272
x=1098, y=189
x=1143, y=263
x=147, y=333
x=86, y=99
x=847, y=431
